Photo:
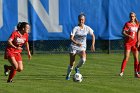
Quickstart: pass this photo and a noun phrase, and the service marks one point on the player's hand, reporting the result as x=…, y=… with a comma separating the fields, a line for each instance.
x=29, y=56
x=138, y=44
x=19, y=48
x=79, y=44
x=132, y=37
x=92, y=48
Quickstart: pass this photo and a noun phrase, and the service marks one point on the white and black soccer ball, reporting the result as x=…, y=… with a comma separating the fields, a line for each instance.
x=77, y=77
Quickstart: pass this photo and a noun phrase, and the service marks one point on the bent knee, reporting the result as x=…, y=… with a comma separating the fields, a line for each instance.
x=15, y=67
x=83, y=60
x=20, y=69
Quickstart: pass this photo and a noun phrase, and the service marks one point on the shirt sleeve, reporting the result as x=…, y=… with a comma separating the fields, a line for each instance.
x=73, y=31
x=126, y=27
x=12, y=36
x=90, y=31
x=26, y=38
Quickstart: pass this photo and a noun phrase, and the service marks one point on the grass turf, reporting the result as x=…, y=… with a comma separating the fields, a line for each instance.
x=46, y=74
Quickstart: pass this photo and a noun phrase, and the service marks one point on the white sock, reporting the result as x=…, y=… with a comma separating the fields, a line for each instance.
x=69, y=70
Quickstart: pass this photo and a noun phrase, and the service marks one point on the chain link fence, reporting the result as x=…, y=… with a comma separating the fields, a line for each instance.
x=62, y=46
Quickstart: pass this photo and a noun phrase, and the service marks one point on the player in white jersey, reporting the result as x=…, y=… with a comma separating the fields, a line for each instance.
x=78, y=44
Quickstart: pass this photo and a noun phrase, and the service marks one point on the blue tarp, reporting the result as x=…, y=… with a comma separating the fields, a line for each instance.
x=54, y=19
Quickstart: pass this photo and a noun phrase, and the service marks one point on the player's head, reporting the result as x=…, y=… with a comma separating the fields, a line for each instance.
x=81, y=19
x=23, y=26
x=133, y=17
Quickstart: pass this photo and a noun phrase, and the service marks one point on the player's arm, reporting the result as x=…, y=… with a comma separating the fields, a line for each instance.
x=28, y=50
x=10, y=40
x=93, y=42
x=72, y=39
x=11, y=44
x=91, y=32
x=127, y=35
x=125, y=30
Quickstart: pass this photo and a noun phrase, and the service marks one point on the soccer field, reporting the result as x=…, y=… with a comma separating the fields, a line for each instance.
x=46, y=74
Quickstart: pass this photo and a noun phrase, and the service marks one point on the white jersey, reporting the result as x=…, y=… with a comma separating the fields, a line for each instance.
x=80, y=36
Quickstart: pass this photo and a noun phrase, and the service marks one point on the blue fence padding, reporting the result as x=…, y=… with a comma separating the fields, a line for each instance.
x=54, y=19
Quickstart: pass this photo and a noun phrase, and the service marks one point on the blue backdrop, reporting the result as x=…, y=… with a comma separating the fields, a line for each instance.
x=54, y=19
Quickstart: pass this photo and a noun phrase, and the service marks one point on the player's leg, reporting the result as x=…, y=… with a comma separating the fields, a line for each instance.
x=136, y=61
x=12, y=68
x=139, y=61
x=19, y=61
x=20, y=66
x=6, y=67
x=125, y=60
x=70, y=67
x=6, y=70
x=81, y=61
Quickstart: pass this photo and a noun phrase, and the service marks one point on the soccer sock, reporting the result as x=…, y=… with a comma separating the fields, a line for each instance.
x=12, y=74
x=123, y=65
x=136, y=67
x=69, y=70
x=81, y=62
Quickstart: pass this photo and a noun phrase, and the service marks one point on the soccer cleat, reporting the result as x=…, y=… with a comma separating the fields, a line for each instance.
x=10, y=81
x=121, y=74
x=77, y=70
x=5, y=70
x=67, y=77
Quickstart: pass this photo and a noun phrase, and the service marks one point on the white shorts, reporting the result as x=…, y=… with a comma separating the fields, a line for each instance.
x=77, y=49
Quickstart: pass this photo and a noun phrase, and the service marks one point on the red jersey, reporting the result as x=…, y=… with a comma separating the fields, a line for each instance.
x=18, y=40
x=131, y=29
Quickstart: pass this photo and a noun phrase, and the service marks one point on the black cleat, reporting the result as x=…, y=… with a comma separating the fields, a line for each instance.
x=10, y=81
x=5, y=70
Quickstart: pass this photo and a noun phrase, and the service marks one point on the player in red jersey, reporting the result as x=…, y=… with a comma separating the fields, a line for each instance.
x=13, y=50
x=130, y=32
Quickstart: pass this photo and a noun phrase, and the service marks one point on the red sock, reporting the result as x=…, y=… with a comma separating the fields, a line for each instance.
x=136, y=67
x=123, y=65
x=12, y=72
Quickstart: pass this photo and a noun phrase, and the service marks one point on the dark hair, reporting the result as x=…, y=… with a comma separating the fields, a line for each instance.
x=21, y=25
x=81, y=15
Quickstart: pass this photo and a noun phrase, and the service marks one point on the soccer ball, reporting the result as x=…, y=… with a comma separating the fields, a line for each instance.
x=77, y=77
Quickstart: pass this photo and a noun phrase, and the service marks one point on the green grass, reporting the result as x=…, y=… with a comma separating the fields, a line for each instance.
x=46, y=74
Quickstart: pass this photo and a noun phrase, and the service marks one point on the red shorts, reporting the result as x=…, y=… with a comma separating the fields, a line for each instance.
x=11, y=54
x=130, y=47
